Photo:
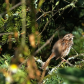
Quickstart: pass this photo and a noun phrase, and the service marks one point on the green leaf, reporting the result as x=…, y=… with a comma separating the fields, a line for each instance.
x=72, y=74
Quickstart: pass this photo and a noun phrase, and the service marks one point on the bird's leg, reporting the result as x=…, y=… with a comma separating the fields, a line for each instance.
x=75, y=51
x=66, y=61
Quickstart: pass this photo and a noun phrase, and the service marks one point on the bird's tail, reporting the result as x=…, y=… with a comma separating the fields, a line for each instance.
x=48, y=61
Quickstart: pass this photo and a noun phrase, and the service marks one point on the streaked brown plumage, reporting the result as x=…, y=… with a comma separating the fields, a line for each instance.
x=61, y=48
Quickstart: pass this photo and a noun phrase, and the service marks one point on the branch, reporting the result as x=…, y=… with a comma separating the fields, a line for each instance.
x=11, y=8
x=47, y=42
x=43, y=15
x=23, y=23
x=1, y=34
x=55, y=68
x=72, y=4
x=75, y=56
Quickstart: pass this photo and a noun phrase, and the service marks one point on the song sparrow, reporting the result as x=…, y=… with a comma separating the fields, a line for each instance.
x=61, y=48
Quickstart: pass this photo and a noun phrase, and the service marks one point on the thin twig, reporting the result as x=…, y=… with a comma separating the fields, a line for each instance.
x=43, y=14
x=47, y=24
x=75, y=56
x=72, y=4
x=67, y=6
x=1, y=34
x=47, y=42
x=11, y=8
x=44, y=27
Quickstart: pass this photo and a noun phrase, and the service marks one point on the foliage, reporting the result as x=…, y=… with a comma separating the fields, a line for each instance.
x=53, y=79
x=70, y=75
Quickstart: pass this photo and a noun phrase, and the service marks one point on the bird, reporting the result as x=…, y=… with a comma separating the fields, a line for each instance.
x=60, y=49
